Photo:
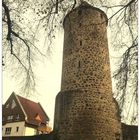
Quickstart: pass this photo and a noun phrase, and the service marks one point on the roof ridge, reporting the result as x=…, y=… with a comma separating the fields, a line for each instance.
x=27, y=99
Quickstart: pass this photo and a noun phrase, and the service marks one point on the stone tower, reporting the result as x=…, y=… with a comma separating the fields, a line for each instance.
x=85, y=108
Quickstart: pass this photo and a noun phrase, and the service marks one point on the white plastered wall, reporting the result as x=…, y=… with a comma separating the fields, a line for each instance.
x=23, y=130
x=30, y=131
x=14, y=126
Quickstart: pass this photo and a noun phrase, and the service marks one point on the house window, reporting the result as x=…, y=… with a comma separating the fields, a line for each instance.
x=9, y=118
x=7, y=105
x=17, y=118
x=17, y=129
x=13, y=104
x=8, y=131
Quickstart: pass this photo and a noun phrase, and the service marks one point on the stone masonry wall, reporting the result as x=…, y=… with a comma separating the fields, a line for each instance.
x=85, y=108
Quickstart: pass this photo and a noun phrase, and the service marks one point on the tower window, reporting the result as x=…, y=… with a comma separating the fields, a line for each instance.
x=79, y=12
x=101, y=15
x=80, y=43
x=79, y=64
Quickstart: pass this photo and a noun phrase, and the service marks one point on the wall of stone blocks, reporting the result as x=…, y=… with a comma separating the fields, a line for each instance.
x=85, y=108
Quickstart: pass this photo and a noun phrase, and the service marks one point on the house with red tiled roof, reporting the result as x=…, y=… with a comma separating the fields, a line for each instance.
x=23, y=117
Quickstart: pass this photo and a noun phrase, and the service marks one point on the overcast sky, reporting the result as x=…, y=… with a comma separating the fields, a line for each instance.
x=49, y=79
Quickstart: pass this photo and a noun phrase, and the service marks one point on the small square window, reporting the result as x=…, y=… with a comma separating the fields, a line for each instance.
x=9, y=118
x=7, y=105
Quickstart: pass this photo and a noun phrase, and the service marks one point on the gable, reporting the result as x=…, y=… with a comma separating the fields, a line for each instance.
x=12, y=111
x=18, y=108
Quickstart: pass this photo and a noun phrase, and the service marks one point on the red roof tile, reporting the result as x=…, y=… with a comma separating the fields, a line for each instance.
x=32, y=110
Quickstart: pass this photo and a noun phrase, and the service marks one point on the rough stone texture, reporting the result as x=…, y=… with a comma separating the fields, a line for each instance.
x=85, y=108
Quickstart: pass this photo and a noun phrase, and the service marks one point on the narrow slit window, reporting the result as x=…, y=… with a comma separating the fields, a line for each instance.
x=101, y=15
x=17, y=129
x=80, y=12
x=79, y=64
x=80, y=43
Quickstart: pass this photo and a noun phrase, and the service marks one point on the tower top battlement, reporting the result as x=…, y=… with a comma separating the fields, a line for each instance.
x=86, y=5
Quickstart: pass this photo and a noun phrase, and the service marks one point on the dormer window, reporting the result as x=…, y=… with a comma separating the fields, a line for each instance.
x=37, y=117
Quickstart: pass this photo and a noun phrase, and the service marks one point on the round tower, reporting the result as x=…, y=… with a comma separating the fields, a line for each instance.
x=85, y=108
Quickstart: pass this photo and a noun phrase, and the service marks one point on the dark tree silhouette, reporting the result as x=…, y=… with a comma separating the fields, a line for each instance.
x=24, y=20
